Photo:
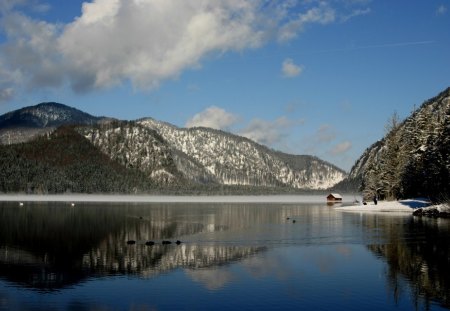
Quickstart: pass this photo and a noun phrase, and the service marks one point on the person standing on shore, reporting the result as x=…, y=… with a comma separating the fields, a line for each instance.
x=375, y=199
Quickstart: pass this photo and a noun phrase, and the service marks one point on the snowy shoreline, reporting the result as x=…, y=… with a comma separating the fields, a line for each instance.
x=407, y=206
x=403, y=206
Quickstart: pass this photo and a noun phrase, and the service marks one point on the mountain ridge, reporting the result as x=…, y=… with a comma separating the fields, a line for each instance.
x=216, y=149
x=171, y=156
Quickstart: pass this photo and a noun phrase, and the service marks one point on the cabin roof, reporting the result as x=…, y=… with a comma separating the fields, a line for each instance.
x=335, y=195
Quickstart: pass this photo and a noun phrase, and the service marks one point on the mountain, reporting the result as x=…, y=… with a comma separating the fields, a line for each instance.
x=413, y=159
x=25, y=123
x=46, y=115
x=162, y=154
x=65, y=161
x=214, y=155
x=135, y=147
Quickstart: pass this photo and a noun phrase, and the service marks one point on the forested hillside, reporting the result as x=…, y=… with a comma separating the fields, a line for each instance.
x=105, y=155
x=65, y=161
x=163, y=155
x=413, y=159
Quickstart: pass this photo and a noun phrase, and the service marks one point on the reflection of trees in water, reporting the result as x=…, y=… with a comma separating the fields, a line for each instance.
x=41, y=245
x=419, y=254
x=50, y=246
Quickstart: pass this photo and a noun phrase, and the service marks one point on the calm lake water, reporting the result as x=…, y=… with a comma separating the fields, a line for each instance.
x=232, y=256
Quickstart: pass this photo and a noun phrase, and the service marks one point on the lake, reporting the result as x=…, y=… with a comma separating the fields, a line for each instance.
x=246, y=256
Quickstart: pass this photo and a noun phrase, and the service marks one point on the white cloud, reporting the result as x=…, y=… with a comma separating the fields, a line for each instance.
x=321, y=14
x=289, y=69
x=269, y=133
x=6, y=5
x=142, y=41
x=29, y=59
x=341, y=148
x=33, y=5
x=149, y=41
x=355, y=13
x=441, y=10
x=7, y=80
x=6, y=94
x=213, y=117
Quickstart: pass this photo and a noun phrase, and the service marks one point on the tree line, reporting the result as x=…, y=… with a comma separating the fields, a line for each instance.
x=414, y=158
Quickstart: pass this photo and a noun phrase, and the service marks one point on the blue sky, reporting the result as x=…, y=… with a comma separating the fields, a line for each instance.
x=304, y=77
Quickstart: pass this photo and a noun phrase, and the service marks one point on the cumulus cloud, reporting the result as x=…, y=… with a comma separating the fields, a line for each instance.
x=213, y=117
x=269, y=132
x=289, y=69
x=149, y=41
x=142, y=41
x=341, y=148
x=29, y=57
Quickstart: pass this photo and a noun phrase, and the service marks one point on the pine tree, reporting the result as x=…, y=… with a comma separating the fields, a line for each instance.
x=390, y=159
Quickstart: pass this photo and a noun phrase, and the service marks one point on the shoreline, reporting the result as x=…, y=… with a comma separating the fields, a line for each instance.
x=402, y=206
x=111, y=198
x=407, y=206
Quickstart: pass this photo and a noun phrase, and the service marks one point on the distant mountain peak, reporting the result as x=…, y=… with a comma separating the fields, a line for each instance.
x=43, y=115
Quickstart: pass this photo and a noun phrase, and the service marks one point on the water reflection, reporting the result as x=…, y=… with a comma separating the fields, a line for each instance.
x=41, y=246
x=53, y=247
x=418, y=255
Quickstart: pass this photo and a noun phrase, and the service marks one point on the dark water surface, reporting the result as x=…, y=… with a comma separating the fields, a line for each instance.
x=233, y=257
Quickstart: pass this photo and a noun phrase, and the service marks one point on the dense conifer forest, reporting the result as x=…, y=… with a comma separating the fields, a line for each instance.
x=412, y=160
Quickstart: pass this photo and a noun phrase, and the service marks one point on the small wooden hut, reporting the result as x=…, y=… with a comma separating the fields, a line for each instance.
x=334, y=197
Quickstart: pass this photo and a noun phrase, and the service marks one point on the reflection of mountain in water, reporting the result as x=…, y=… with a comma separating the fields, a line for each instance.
x=153, y=260
x=420, y=256
x=50, y=246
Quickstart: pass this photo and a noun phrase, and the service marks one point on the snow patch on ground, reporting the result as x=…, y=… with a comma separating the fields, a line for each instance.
x=442, y=208
x=388, y=206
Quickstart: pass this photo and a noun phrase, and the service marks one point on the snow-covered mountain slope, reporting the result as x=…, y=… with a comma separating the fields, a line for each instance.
x=135, y=147
x=235, y=160
x=173, y=156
